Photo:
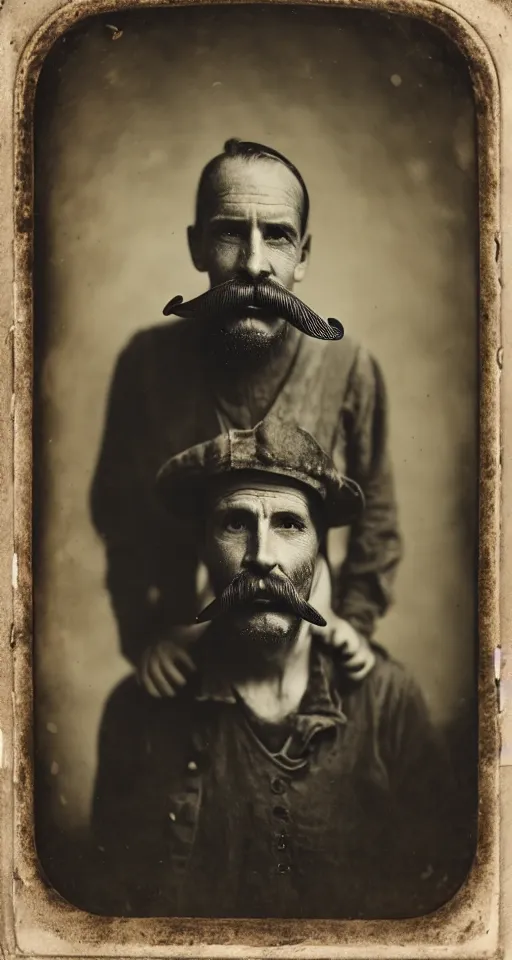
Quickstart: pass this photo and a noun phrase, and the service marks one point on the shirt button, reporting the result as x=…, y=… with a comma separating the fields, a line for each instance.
x=192, y=765
x=281, y=812
x=283, y=868
x=277, y=786
x=281, y=842
x=172, y=816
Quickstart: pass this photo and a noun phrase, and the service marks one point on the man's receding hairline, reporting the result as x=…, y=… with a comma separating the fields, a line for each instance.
x=214, y=165
x=225, y=158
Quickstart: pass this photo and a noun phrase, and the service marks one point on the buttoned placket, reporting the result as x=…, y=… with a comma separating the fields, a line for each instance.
x=185, y=806
x=281, y=815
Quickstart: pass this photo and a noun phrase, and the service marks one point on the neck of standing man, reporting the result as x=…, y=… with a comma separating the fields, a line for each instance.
x=246, y=387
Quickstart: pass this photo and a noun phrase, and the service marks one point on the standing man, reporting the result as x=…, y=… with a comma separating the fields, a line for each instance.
x=237, y=357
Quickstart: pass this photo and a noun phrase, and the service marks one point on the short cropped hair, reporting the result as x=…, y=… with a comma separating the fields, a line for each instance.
x=247, y=150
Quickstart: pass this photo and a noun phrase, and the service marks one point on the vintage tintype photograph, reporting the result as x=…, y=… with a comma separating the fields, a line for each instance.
x=256, y=336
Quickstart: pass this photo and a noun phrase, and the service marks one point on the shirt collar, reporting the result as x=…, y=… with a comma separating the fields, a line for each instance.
x=321, y=698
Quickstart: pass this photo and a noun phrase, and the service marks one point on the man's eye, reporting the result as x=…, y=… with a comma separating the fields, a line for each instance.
x=227, y=234
x=276, y=233
x=233, y=525
x=291, y=523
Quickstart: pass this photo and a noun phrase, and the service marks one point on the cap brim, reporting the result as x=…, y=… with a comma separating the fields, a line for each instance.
x=183, y=493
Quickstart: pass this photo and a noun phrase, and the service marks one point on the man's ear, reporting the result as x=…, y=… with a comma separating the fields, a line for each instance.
x=195, y=245
x=300, y=269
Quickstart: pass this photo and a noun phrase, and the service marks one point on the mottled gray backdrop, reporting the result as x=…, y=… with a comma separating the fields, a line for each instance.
x=377, y=113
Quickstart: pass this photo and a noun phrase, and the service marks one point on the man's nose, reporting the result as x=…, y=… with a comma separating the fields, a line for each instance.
x=255, y=258
x=259, y=555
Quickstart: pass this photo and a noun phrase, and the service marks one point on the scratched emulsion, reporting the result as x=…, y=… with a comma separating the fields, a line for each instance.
x=377, y=114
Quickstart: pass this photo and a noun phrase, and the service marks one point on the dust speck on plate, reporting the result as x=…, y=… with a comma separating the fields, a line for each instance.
x=153, y=594
x=116, y=33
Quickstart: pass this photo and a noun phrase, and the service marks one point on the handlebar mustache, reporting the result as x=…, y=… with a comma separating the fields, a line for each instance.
x=228, y=300
x=245, y=588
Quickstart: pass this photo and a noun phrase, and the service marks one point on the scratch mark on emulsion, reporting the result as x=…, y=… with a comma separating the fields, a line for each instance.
x=497, y=677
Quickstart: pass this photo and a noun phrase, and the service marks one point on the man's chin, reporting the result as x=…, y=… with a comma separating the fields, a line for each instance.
x=268, y=628
x=252, y=334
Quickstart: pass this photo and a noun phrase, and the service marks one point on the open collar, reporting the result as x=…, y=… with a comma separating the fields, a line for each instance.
x=321, y=698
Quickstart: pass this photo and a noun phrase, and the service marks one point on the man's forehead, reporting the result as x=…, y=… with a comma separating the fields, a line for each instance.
x=259, y=181
x=248, y=492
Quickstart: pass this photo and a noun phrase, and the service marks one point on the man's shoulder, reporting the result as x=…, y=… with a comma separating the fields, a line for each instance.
x=176, y=338
x=345, y=360
x=388, y=684
x=331, y=351
x=163, y=361
x=389, y=675
x=131, y=714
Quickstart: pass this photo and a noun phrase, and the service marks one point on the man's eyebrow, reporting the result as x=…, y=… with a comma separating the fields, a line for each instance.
x=291, y=512
x=224, y=508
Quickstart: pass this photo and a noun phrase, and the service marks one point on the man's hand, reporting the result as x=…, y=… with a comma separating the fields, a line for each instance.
x=166, y=666
x=356, y=654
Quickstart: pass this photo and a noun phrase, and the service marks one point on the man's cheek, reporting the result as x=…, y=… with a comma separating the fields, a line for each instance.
x=223, y=561
x=302, y=574
x=284, y=264
x=223, y=264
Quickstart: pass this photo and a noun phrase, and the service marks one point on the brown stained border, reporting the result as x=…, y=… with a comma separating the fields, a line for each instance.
x=39, y=922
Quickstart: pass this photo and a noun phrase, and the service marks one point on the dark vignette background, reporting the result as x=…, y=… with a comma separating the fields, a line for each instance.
x=377, y=112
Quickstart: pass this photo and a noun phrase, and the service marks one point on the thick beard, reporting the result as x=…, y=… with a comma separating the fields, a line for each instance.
x=235, y=346
x=247, y=651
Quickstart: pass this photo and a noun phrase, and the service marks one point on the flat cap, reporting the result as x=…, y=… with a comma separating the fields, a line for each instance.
x=272, y=447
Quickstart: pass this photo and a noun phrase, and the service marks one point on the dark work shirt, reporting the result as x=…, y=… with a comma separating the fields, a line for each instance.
x=161, y=402
x=347, y=812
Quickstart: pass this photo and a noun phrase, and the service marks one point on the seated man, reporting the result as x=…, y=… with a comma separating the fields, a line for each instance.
x=271, y=786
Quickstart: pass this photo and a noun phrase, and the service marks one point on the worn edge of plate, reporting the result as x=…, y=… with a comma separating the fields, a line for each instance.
x=36, y=921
